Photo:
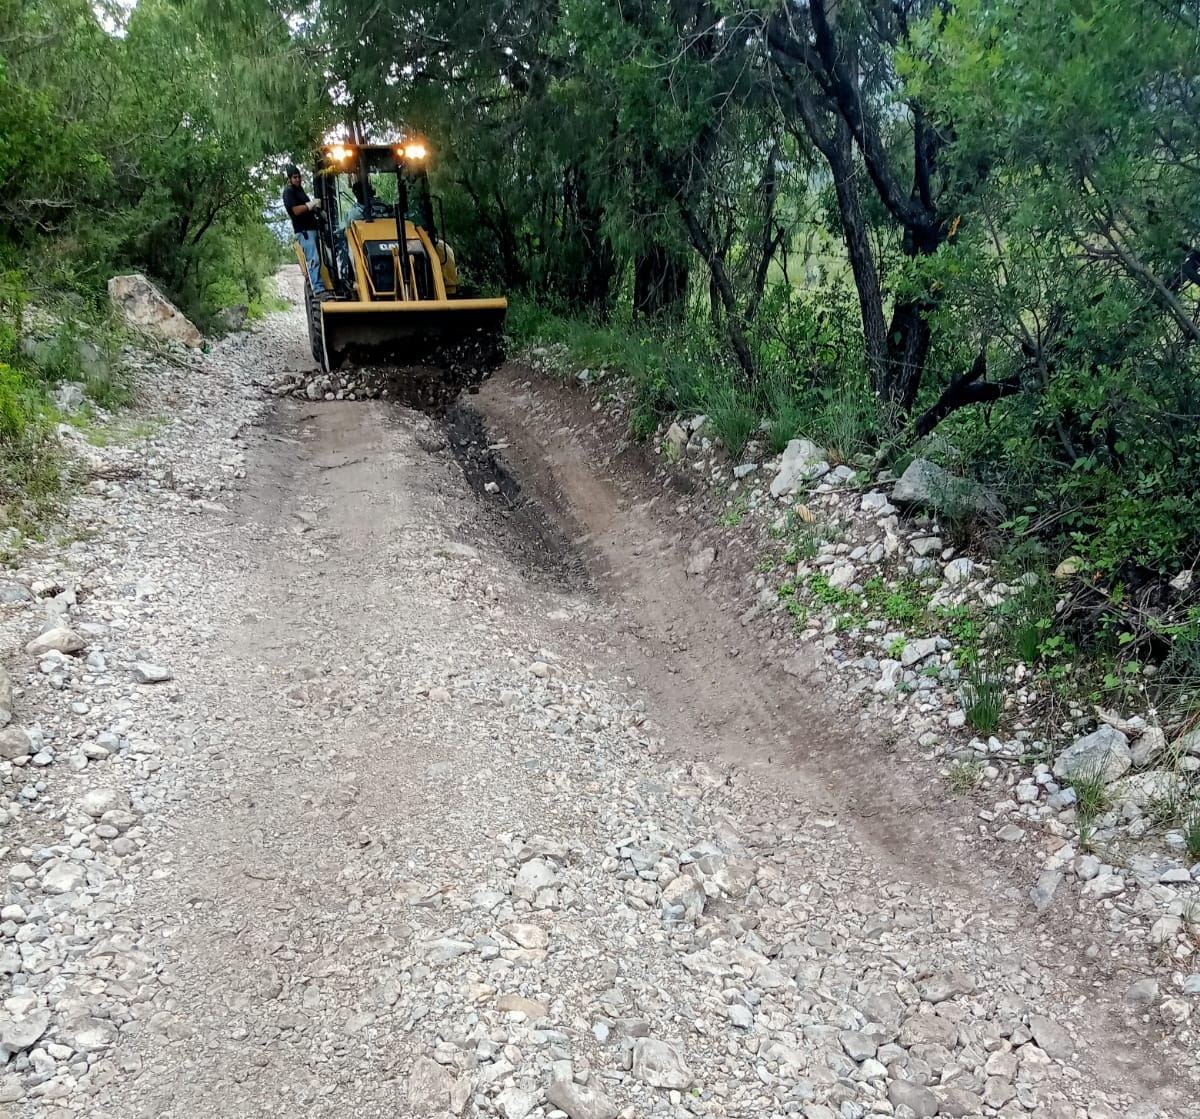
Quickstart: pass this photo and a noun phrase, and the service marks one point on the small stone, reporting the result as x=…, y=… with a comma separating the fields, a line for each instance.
x=429, y=1087
x=96, y=802
x=660, y=1065
x=945, y=985
x=802, y=461
x=92, y=1034
x=686, y=893
x=15, y=743
x=741, y=1016
x=446, y=948
x=535, y=875
x=1103, y=754
x=1051, y=1037
x=63, y=878
x=1148, y=746
x=701, y=560
x=920, y=1101
x=997, y=1092
x=1086, y=867
x=1165, y=929
x=1104, y=886
x=145, y=672
x=1143, y=993
x=18, y=1034
x=859, y=1046
x=515, y=1104
x=1043, y=893
x=528, y=936
x=12, y=593
x=580, y=1102
x=532, y=1009
x=958, y=571
x=57, y=640
x=916, y=651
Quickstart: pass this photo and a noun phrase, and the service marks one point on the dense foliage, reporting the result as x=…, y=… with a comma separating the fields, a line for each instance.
x=144, y=138
x=131, y=137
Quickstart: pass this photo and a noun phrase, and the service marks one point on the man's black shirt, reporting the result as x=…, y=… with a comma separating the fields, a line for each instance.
x=294, y=196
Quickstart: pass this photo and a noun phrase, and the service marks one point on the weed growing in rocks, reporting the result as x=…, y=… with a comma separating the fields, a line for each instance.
x=732, y=516
x=964, y=776
x=983, y=697
x=806, y=541
x=1191, y=833
x=786, y=414
x=1029, y=617
x=1092, y=798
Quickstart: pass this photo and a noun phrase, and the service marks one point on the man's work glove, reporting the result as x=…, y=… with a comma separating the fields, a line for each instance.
x=315, y=204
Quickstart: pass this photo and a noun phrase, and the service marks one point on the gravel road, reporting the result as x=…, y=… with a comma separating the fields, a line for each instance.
x=343, y=802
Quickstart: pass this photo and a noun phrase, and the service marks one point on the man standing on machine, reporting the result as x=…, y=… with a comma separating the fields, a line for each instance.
x=303, y=211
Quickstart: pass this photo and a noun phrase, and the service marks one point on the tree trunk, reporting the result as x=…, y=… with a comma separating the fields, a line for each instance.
x=733, y=323
x=862, y=261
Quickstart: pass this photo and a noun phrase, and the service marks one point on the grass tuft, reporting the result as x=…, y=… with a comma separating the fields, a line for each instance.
x=1092, y=797
x=983, y=698
x=1191, y=833
x=732, y=417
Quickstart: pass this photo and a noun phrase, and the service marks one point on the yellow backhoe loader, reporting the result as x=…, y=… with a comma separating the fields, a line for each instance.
x=394, y=297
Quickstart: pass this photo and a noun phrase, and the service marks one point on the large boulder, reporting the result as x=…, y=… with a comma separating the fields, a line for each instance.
x=146, y=309
x=929, y=486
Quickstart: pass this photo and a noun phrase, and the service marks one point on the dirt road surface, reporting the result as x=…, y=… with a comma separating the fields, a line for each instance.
x=461, y=799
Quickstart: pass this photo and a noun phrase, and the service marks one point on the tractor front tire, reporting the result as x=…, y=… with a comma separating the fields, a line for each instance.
x=315, y=339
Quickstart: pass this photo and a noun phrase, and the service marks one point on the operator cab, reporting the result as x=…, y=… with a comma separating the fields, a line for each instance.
x=369, y=194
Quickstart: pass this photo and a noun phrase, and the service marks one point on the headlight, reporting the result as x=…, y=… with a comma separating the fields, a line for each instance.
x=339, y=153
x=415, y=151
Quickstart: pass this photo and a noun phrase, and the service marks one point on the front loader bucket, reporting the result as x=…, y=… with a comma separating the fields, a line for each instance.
x=463, y=336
